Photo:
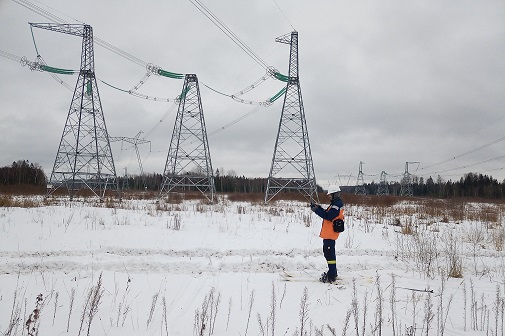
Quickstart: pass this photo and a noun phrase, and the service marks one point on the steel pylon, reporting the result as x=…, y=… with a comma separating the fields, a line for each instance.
x=382, y=189
x=135, y=141
x=84, y=158
x=188, y=166
x=292, y=156
x=406, y=185
x=360, y=181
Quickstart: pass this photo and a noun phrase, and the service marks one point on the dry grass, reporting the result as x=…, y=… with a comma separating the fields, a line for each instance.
x=388, y=309
x=22, y=189
x=245, y=197
x=19, y=202
x=414, y=218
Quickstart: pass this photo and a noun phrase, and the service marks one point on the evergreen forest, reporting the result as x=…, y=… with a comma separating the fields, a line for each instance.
x=22, y=174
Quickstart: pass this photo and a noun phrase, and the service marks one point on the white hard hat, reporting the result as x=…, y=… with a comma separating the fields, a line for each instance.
x=333, y=189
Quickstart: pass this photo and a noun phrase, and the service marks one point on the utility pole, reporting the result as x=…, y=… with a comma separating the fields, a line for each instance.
x=292, y=155
x=84, y=158
x=360, y=182
x=188, y=166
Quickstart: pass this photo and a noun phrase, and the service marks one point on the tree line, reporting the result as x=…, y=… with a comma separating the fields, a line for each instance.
x=473, y=185
x=22, y=172
x=470, y=185
x=223, y=183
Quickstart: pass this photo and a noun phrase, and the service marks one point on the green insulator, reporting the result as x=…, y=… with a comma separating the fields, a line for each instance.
x=277, y=96
x=89, y=88
x=56, y=70
x=184, y=92
x=169, y=74
x=281, y=77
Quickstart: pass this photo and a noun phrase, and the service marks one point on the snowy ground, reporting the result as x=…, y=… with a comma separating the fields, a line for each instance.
x=143, y=268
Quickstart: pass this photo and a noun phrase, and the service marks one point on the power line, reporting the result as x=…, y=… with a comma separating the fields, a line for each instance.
x=271, y=72
x=10, y=56
x=228, y=32
x=165, y=116
x=39, y=65
x=466, y=153
x=222, y=128
x=283, y=14
x=467, y=166
x=120, y=52
x=57, y=10
x=24, y=61
x=48, y=15
x=39, y=10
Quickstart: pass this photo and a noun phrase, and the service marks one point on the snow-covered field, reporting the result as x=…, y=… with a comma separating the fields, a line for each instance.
x=143, y=268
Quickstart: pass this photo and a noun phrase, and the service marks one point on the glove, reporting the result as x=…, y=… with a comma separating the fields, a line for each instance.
x=312, y=206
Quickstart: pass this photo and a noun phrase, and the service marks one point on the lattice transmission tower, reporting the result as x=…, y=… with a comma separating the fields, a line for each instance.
x=135, y=141
x=382, y=189
x=84, y=158
x=406, y=187
x=292, y=155
x=188, y=165
x=338, y=180
x=360, y=181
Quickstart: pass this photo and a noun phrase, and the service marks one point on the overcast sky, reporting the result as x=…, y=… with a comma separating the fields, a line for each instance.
x=383, y=82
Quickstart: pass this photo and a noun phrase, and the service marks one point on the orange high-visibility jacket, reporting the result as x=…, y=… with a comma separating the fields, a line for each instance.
x=327, y=227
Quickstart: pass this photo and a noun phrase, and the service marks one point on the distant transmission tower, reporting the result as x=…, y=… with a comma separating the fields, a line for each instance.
x=383, y=189
x=188, y=165
x=338, y=180
x=84, y=158
x=406, y=188
x=125, y=180
x=292, y=148
x=135, y=141
x=360, y=182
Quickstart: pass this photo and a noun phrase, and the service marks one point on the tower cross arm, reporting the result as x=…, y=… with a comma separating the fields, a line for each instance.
x=66, y=28
x=407, y=165
x=286, y=38
x=133, y=141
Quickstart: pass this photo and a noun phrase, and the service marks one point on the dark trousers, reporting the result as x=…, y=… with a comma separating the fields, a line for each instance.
x=331, y=257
